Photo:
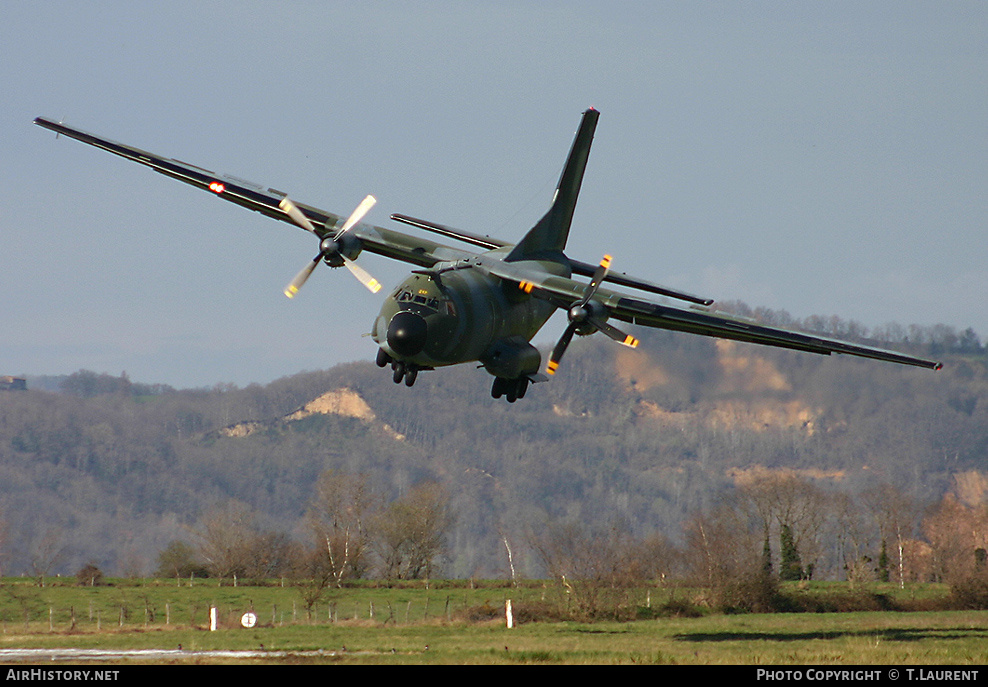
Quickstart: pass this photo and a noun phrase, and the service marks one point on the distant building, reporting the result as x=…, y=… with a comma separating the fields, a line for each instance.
x=8, y=383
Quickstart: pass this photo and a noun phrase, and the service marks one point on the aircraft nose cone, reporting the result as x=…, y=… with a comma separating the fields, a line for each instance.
x=407, y=333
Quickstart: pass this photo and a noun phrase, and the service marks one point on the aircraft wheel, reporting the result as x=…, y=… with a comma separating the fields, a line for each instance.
x=497, y=389
x=399, y=372
x=410, y=375
x=383, y=359
x=522, y=387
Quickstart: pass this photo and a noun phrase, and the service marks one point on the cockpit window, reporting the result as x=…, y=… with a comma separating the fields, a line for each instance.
x=406, y=296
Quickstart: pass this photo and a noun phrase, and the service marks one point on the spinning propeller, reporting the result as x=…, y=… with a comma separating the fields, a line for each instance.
x=587, y=316
x=330, y=247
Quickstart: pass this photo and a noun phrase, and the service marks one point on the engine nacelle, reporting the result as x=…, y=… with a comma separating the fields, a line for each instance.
x=333, y=251
x=581, y=313
x=512, y=358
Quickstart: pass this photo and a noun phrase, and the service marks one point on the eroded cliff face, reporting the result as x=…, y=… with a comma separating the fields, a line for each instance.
x=343, y=402
x=971, y=487
x=750, y=392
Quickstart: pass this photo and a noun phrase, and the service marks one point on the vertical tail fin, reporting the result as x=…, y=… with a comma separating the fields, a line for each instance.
x=547, y=239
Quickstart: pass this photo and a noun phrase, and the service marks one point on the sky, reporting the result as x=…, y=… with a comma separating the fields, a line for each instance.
x=819, y=158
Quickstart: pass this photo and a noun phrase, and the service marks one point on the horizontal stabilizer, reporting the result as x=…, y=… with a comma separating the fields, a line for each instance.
x=443, y=230
x=585, y=269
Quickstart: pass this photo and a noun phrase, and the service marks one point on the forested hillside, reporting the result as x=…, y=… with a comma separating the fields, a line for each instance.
x=110, y=471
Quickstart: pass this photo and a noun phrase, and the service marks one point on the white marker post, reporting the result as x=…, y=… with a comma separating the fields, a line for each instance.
x=212, y=618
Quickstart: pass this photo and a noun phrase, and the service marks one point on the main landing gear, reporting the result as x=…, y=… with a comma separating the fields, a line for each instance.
x=511, y=389
x=402, y=371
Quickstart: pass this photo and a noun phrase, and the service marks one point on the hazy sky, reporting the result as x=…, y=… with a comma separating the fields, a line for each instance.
x=822, y=158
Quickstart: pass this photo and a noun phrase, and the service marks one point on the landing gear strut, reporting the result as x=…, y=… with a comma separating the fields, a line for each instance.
x=511, y=389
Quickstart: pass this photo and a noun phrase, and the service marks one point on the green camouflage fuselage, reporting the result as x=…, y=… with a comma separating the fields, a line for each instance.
x=470, y=315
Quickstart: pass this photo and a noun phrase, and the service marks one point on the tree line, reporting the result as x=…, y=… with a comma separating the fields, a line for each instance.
x=938, y=339
x=352, y=532
x=109, y=471
x=772, y=527
x=778, y=527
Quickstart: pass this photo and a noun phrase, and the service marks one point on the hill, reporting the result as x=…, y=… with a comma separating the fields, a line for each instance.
x=110, y=471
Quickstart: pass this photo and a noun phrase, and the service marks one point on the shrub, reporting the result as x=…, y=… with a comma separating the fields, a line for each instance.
x=89, y=576
x=970, y=593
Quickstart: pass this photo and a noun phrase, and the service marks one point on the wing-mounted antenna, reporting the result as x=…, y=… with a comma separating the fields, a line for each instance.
x=547, y=239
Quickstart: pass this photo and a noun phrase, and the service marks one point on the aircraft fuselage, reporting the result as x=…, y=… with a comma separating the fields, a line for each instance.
x=459, y=313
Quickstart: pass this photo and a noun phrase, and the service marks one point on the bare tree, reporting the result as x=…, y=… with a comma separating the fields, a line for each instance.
x=722, y=554
x=410, y=533
x=46, y=552
x=582, y=561
x=231, y=543
x=853, y=542
x=958, y=537
x=4, y=540
x=339, y=515
x=178, y=560
x=895, y=513
x=798, y=507
x=587, y=562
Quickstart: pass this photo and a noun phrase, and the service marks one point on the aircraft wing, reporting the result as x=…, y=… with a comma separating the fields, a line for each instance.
x=578, y=267
x=386, y=242
x=564, y=292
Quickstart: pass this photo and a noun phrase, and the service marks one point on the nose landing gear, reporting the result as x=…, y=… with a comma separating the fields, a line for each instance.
x=402, y=371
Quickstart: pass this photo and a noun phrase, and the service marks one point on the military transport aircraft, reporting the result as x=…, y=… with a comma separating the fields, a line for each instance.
x=462, y=306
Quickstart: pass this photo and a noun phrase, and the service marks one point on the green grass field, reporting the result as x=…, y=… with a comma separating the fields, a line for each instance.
x=457, y=624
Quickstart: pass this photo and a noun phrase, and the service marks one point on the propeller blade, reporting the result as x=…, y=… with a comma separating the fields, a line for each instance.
x=557, y=352
x=365, y=205
x=302, y=277
x=300, y=219
x=580, y=313
x=297, y=216
x=614, y=333
x=598, y=277
x=361, y=274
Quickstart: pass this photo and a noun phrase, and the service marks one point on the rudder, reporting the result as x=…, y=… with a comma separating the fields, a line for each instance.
x=547, y=239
